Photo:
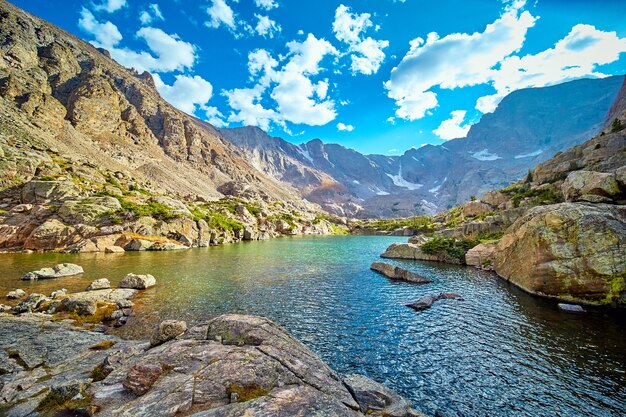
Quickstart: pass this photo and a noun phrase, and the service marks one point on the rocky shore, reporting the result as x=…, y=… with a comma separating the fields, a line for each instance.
x=233, y=365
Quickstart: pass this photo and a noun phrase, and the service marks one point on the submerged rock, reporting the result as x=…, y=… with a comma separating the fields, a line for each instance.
x=17, y=294
x=138, y=282
x=426, y=302
x=571, y=308
x=57, y=271
x=395, y=272
x=376, y=399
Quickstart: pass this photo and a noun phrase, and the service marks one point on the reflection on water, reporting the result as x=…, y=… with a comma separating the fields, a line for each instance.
x=500, y=352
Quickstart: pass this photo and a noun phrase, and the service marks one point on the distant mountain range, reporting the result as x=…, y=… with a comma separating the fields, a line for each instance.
x=528, y=127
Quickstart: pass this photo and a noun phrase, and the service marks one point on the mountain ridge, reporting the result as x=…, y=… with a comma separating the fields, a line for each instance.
x=526, y=129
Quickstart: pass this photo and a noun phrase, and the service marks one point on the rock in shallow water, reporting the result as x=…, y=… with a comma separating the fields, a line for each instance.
x=57, y=271
x=376, y=399
x=138, y=282
x=426, y=302
x=395, y=272
x=571, y=308
x=99, y=284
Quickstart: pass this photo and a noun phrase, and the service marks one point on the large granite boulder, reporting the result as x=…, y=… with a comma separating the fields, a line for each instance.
x=581, y=183
x=568, y=251
x=41, y=192
x=99, y=284
x=395, y=272
x=57, y=271
x=168, y=330
x=137, y=282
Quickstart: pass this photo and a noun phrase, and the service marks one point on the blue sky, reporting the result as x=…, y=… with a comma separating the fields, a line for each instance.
x=379, y=76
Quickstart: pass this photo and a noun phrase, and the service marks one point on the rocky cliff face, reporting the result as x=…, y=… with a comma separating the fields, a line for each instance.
x=92, y=157
x=528, y=127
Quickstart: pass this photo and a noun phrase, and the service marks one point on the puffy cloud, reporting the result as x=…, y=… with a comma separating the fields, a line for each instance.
x=295, y=98
x=456, y=60
x=247, y=108
x=266, y=4
x=167, y=52
x=215, y=117
x=106, y=34
x=110, y=6
x=266, y=27
x=366, y=53
x=188, y=93
x=575, y=56
x=453, y=127
x=152, y=14
x=344, y=127
x=220, y=13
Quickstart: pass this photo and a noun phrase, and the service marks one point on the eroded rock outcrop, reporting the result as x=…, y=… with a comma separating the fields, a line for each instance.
x=232, y=366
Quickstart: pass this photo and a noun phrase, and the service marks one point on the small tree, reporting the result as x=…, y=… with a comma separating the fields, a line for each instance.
x=617, y=125
x=529, y=177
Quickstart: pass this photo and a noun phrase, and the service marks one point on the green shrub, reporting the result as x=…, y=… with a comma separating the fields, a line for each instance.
x=539, y=197
x=617, y=125
x=455, y=248
x=149, y=209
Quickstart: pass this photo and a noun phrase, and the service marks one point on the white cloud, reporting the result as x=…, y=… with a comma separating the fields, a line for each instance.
x=453, y=127
x=366, y=53
x=220, y=13
x=456, y=60
x=300, y=32
x=152, y=14
x=187, y=93
x=266, y=4
x=110, y=6
x=167, y=52
x=293, y=95
x=575, y=56
x=247, y=108
x=266, y=27
x=215, y=117
x=344, y=127
x=106, y=34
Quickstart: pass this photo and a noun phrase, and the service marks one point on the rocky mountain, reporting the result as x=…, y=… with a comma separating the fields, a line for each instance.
x=92, y=157
x=528, y=127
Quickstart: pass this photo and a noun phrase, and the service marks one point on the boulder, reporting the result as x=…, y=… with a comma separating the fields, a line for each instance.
x=570, y=251
x=475, y=208
x=4, y=309
x=138, y=245
x=58, y=293
x=114, y=249
x=88, y=211
x=51, y=235
x=579, y=183
x=31, y=303
x=168, y=330
x=494, y=198
x=17, y=294
x=376, y=399
x=138, y=282
x=412, y=251
x=78, y=306
x=395, y=272
x=57, y=271
x=426, y=302
x=99, y=284
x=482, y=255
